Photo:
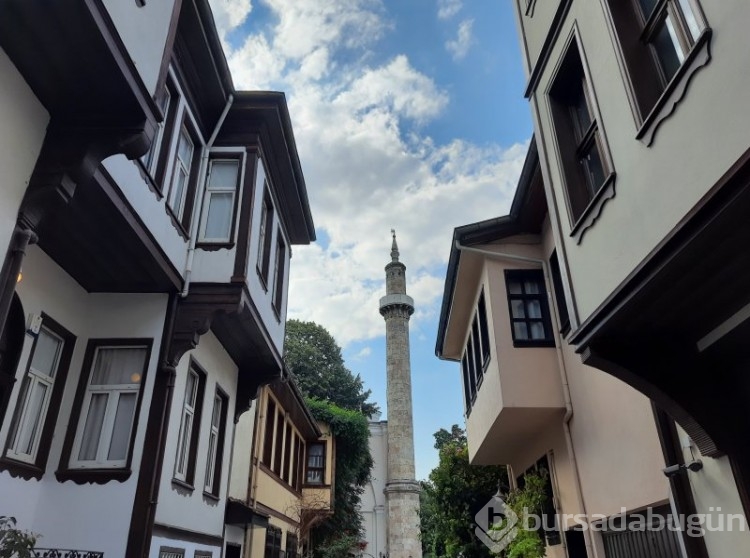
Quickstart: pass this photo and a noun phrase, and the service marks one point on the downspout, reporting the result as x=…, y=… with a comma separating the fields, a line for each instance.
x=199, y=195
x=587, y=538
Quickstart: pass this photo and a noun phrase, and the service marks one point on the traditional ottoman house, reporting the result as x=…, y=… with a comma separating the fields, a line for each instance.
x=282, y=475
x=147, y=215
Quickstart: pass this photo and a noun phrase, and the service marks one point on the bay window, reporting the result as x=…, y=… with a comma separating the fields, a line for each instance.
x=529, y=312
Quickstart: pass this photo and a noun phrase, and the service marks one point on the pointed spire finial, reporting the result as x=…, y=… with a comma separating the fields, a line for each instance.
x=394, y=247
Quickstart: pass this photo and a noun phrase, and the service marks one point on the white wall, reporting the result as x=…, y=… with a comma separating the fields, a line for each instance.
x=23, y=124
x=372, y=505
x=143, y=30
x=190, y=548
x=177, y=506
x=38, y=504
x=242, y=453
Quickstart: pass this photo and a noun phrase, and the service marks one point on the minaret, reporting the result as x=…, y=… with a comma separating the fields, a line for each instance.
x=401, y=489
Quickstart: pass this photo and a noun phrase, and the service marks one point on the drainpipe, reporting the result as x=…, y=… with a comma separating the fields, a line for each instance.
x=587, y=538
x=199, y=195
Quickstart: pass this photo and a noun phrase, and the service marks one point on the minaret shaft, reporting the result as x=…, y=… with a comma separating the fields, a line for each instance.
x=402, y=490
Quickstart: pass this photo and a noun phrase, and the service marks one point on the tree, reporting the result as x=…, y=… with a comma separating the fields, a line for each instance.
x=314, y=359
x=453, y=495
x=338, y=534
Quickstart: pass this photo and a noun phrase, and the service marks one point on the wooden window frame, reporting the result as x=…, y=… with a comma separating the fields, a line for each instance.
x=653, y=95
x=278, y=444
x=292, y=545
x=288, y=442
x=537, y=276
x=215, y=457
x=100, y=475
x=278, y=274
x=272, y=547
x=322, y=469
x=268, y=432
x=575, y=142
x=228, y=241
x=171, y=552
x=265, y=232
x=165, y=135
x=187, y=477
x=563, y=315
x=36, y=465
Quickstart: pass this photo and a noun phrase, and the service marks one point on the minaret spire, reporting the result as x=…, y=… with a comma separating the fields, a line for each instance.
x=394, y=247
x=401, y=489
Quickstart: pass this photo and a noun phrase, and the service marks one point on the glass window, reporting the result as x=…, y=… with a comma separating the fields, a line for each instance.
x=264, y=239
x=187, y=442
x=215, y=444
x=181, y=174
x=278, y=273
x=218, y=210
x=315, y=464
x=529, y=313
x=108, y=411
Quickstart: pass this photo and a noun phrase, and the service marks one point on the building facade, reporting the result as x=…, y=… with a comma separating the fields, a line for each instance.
x=634, y=252
x=147, y=214
x=373, y=505
x=282, y=474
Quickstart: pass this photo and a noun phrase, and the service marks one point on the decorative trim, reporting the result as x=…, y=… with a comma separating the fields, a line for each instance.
x=176, y=222
x=187, y=535
x=65, y=553
x=148, y=179
x=593, y=210
x=93, y=476
x=698, y=57
x=182, y=486
x=530, y=6
x=19, y=469
x=549, y=42
x=214, y=246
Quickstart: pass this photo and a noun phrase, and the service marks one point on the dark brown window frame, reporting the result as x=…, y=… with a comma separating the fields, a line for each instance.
x=272, y=547
x=477, y=355
x=279, y=272
x=287, y=459
x=571, y=78
x=292, y=545
x=278, y=443
x=100, y=476
x=220, y=442
x=37, y=469
x=14, y=336
x=536, y=275
x=166, y=138
x=652, y=97
x=182, y=223
x=165, y=550
x=266, y=223
x=322, y=469
x=563, y=315
x=189, y=481
x=209, y=245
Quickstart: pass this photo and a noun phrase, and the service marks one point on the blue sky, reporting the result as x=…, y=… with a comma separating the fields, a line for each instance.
x=408, y=114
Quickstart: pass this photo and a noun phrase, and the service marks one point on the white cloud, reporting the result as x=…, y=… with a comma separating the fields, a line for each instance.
x=448, y=8
x=459, y=46
x=229, y=14
x=362, y=353
x=368, y=165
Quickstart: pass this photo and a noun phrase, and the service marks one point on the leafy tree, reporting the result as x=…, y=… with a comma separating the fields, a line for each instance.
x=15, y=543
x=314, y=358
x=339, y=533
x=453, y=495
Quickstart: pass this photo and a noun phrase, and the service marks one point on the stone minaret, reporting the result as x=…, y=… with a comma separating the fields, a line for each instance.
x=401, y=489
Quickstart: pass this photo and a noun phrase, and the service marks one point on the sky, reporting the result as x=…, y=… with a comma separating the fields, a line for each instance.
x=407, y=114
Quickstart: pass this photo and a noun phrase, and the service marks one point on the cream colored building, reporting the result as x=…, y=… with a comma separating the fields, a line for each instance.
x=283, y=473
x=642, y=195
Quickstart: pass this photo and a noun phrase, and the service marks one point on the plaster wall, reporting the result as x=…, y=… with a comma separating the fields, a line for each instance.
x=158, y=541
x=23, y=121
x=242, y=454
x=657, y=185
x=143, y=30
x=37, y=504
x=277, y=495
x=178, y=506
x=372, y=505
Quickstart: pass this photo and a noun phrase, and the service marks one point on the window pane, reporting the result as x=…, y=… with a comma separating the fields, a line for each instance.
x=667, y=49
x=28, y=430
x=118, y=366
x=594, y=169
x=520, y=331
x=224, y=175
x=179, y=187
x=517, y=306
x=581, y=112
x=182, y=450
x=185, y=148
x=191, y=389
x=537, y=330
x=210, y=464
x=45, y=353
x=534, y=309
x=315, y=476
x=514, y=287
x=216, y=417
x=219, y=218
x=93, y=428
x=532, y=287
x=690, y=19
x=647, y=6
x=118, y=447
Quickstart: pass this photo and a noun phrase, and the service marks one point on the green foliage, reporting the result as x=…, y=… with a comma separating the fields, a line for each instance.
x=15, y=543
x=314, y=359
x=524, y=501
x=338, y=534
x=452, y=496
